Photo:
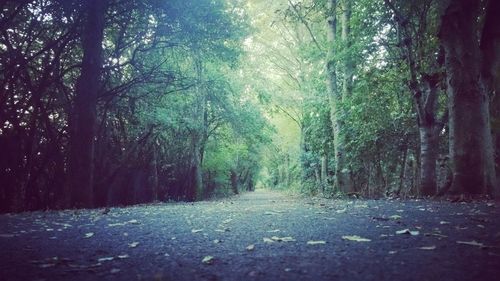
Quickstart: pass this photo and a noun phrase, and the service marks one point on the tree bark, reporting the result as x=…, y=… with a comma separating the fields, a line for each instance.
x=346, y=40
x=83, y=116
x=234, y=181
x=335, y=98
x=490, y=74
x=470, y=131
x=429, y=135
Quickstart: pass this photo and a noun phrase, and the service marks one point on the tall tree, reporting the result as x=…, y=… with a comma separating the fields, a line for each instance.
x=466, y=60
x=335, y=99
x=416, y=39
x=82, y=121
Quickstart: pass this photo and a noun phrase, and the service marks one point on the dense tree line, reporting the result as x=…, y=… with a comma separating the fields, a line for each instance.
x=107, y=102
x=121, y=102
x=396, y=97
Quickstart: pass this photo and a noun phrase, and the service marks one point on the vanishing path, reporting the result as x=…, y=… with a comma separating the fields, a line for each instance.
x=169, y=241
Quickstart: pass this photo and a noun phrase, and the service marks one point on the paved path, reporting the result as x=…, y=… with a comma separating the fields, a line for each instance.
x=450, y=241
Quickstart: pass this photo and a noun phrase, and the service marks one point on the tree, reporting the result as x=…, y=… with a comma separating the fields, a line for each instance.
x=84, y=113
x=415, y=26
x=466, y=60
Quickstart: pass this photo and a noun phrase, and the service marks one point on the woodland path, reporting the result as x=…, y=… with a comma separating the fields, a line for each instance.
x=169, y=241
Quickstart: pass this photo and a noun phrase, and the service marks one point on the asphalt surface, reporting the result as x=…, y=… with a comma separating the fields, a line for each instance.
x=261, y=235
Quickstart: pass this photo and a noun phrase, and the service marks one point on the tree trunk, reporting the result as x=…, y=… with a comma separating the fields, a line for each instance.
x=83, y=116
x=490, y=79
x=335, y=99
x=234, y=181
x=470, y=132
x=154, y=173
x=346, y=40
x=426, y=102
x=428, y=158
x=324, y=172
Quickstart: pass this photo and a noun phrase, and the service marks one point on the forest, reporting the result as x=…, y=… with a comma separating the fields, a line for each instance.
x=121, y=102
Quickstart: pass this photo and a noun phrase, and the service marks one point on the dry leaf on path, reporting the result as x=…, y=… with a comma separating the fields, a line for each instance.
x=316, y=242
x=407, y=231
x=208, y=260
x=133, y=244
x=250, y=247
x=105, y=259
x=355, y=238
x=472, y=243
x=88, y=235
x=114, y=270
x=283, y=239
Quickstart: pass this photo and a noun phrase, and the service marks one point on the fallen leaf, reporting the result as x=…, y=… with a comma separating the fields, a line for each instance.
x=355, y=238
x=114, y=270
x=124, y=256
x=117, y=224
x=407, y=231
x=428, y=247
x=361, y=206
x=133, y=244
x=250, y=247
x=197, y=230
x=316, y=242
x=217, y=241
x=88, y=235
x=226, y=229
x=283, y=239
x=105, y=259
x=208, y=260
x=472, y=243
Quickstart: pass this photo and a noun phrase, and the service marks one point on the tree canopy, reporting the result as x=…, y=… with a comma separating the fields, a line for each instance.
x=123, y=102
